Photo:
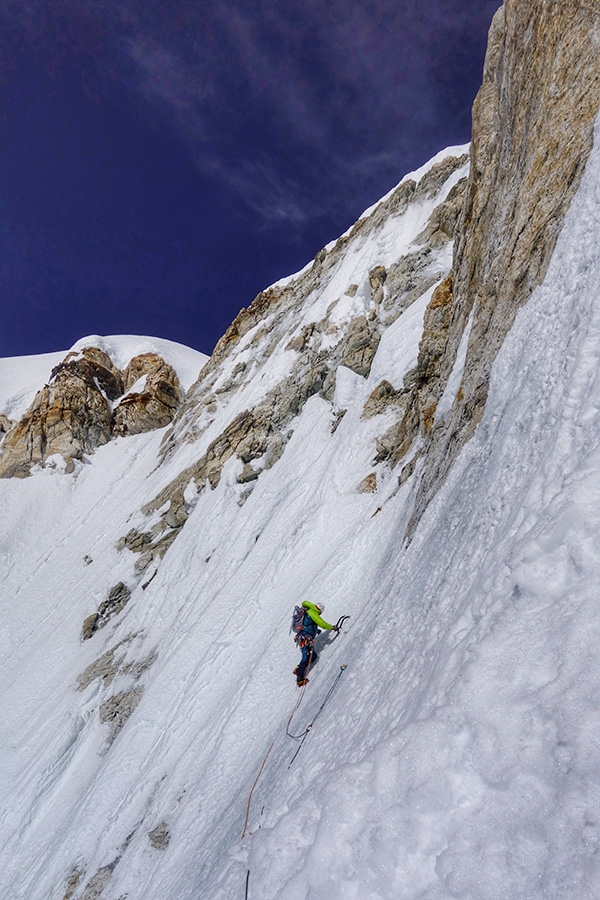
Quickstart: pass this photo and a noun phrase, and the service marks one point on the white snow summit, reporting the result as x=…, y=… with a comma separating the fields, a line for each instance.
x=407, y=430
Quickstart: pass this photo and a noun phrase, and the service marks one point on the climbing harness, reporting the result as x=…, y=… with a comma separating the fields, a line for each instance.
x=304, y=734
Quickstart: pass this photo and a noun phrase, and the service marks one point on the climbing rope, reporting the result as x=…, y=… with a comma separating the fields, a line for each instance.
x=304, y=734
x=297, y=737
x=252, y=790
x=299, y=700
x=338, y=630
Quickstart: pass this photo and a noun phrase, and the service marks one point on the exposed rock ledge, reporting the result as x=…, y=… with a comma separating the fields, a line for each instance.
x=73, y=414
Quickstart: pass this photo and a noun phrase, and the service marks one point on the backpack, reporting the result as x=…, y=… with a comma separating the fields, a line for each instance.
x=298, y=619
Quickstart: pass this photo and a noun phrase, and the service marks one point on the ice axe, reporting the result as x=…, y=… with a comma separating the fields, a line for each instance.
x=338, y=625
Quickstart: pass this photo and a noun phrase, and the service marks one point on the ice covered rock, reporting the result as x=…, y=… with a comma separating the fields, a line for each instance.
x=72, y=883
x=117, y=709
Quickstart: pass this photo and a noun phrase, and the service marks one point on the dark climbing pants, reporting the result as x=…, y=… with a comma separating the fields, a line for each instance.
x=309, y=658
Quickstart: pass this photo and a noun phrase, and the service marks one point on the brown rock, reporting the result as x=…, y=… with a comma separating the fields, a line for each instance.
x=105, y=667
x=248, y=474
x=95, y=887
x=155, y=405
x=368, y=485
x=93, y=365
x=118, y=597
x=300, y=341
x=5, y=423
x=70, y=416
x=443, y=221
x=72, y=883
x=432, y=353
x=90, y=626
x=380, y=399
x=377, y=277
x=142, y=563
x=135, y=540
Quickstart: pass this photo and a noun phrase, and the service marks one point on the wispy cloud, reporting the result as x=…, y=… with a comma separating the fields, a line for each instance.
x=163, y=78
x=278, y=197
x=300, y=92
x=294, y=107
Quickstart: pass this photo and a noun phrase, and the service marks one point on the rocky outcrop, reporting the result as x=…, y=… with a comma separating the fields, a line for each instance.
x=359, y=347
x=5, y=423
x=112, y=663
x=257, y=436
x=117, y=709
x=270, y=315
x=384, y=396
x=96, y=886
x=154, y=404
x=105, y=667
x=532, y=133
x=159, y=837
x=72, y=883
x=442, y=223
x=99, y=882
x=533, y=125
x=72, y=415
x=368, y=485
x=432, y=361
x=118, y=597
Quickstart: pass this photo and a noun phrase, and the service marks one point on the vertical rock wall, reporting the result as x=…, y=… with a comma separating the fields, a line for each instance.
x=533, y=122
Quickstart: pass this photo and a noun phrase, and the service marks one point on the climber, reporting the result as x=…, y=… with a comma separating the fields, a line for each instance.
x=306, y=631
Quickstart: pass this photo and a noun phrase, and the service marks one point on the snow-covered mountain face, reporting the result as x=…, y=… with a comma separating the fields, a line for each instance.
x=407, y=430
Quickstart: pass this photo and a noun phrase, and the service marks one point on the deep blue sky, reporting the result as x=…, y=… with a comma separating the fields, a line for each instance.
x=161, y=161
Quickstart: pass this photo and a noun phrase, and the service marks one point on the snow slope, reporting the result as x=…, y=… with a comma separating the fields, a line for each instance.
x=21, y=377
x=459, y=752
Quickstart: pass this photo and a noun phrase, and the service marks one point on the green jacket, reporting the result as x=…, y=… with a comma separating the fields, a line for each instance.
x=314, y=614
